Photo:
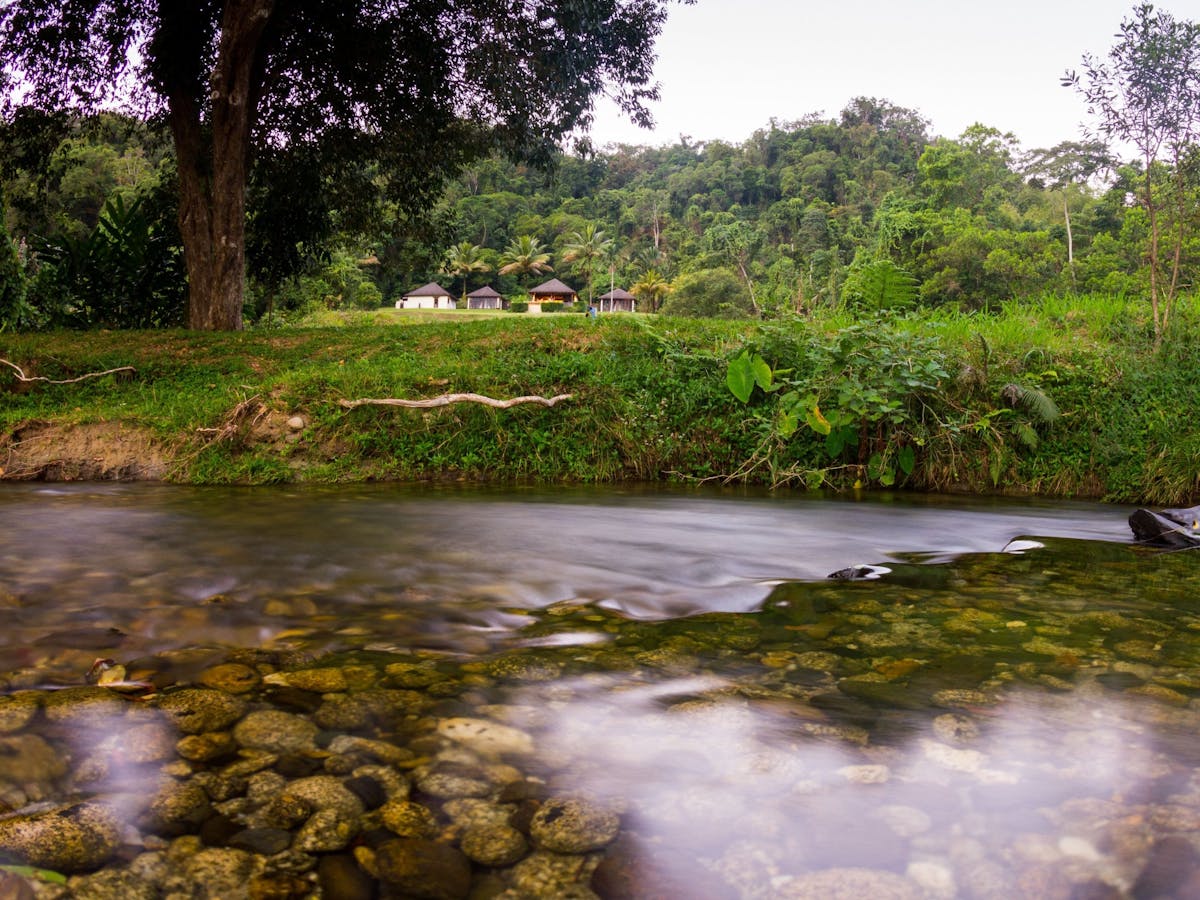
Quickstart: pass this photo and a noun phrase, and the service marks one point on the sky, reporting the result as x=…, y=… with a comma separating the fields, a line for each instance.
x=727, y=67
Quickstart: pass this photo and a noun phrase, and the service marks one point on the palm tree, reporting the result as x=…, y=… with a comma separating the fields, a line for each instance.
x=465, y=259
x=587, y=247
x=525, y=255
x=651, y=287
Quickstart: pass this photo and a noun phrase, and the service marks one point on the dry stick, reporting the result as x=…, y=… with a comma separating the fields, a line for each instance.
x=21, y=376
x=447, y=399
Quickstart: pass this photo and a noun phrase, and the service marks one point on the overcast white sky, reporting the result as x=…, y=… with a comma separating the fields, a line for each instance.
x=728, y=66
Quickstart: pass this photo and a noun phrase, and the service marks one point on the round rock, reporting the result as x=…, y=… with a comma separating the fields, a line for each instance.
x=566, y=825
x=275, y=732
x=198, y=710
x=67, y=838
x=494, y=845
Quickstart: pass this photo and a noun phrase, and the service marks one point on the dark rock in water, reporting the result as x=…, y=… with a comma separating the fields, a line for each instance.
x=1170, y=528
x=67, y=838
x=340, y=878
x=217, y=830
x=290, y=698
x=1173, y=862
x=423, y=869
x=859, y=573
x=264, y=841
x=368, y=790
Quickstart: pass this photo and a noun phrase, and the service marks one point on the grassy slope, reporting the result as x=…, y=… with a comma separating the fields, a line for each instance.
x=649, y=399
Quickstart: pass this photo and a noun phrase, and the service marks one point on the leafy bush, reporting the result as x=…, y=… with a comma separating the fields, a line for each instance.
x=709, y=293
x=127, y=273
x=552, y=306
x=518, y=306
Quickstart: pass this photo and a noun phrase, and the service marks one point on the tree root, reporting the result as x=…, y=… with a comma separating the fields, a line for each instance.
x=447, y=399
x=28, y=379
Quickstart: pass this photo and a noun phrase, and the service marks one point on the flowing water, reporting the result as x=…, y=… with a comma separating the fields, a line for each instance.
x=982, y=721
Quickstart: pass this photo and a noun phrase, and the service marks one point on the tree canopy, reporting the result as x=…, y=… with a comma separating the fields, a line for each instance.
x=414, y=87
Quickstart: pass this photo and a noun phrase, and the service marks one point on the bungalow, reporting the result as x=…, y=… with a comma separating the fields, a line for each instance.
x=617, y=300
x=487, y=297
x=550, y=290
x=431, y=296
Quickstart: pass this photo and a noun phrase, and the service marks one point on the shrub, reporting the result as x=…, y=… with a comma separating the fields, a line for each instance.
x=710, y=293
x=549, y=306
x=518, y=306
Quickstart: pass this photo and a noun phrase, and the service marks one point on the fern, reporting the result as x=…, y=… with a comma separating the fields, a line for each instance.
x=1033, y=401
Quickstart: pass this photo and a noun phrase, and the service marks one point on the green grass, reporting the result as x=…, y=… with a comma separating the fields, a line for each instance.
x=649, y=398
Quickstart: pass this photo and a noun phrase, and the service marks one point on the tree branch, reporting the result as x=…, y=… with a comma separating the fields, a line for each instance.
x=447, y=399
x=21, y=376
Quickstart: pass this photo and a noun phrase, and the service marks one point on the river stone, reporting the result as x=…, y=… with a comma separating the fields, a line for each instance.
x=471, y=812
x=408, y=819
x=26, y=758
x=329, y=680
x=264, y=841
x=446, y=782
x=198, y=710
x=494, y=845
x=286, y=811
x=83, y=706
x=413, y=675
x=65, y=838
x=350, y=745
x=567, y=825
x=563, y=877
x=145, y=743
x=849, y=884
x=358, y=711
x=206, y=747
x=326, y=792
x=490, y=739
x=275, y=732
x=340, y=878
x=224, y=872
x=109, y=884
x=326, y=831
x=232, y=678
x=177, y=807
x=424, y=869
x=17, y=710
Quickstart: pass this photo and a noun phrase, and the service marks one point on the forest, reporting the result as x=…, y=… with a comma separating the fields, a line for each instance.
x=866, y=210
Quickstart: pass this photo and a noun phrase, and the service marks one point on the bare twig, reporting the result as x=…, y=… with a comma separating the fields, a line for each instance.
x=447, y=399
x=21, y=376
x=249, y=411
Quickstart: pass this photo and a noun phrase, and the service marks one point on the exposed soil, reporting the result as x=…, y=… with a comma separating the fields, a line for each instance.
x=98, y=451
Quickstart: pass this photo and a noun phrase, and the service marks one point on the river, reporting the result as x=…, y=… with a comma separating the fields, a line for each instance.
x=973, y=721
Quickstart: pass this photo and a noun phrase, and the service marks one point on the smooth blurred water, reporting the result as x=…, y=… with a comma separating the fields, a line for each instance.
x=136, y=557
x=971, y=708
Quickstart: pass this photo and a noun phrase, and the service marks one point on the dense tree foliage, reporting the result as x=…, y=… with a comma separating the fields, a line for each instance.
x=414, y=87
x=866, y=209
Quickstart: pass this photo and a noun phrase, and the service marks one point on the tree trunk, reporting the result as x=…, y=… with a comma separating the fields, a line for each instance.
x=212, y=180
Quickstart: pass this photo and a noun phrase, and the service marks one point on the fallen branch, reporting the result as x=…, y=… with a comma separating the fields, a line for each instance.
x=21, y=376
x=447, y=399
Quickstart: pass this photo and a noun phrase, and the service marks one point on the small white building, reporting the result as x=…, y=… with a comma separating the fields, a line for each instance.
x=431, y=296
x=487, y=297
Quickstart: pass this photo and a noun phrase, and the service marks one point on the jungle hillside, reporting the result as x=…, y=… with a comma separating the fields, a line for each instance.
x=837, y=301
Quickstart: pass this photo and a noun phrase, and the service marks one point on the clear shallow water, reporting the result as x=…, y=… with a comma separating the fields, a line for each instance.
x=151, y=558
x=979, y=721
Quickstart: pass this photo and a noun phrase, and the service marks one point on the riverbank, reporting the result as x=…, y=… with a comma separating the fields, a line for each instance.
x=1064, y=399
